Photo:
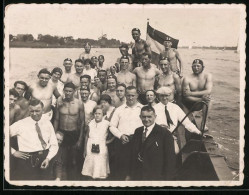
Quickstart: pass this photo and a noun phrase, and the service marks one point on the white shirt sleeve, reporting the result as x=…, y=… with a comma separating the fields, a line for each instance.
x=114, y=124
x=187, y=123
x=53, y=149
x=14, y=129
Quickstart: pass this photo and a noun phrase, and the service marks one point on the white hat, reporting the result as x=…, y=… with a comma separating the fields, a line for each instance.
x=164, y=90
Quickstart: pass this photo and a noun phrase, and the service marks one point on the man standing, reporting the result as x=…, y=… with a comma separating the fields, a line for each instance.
x=21, y=87
x=37, y=144
x=122, y=125
x=86, y=54
x=169, y=114
x=197, y=87
x=68, y=70
x=70, y=120
x=75, y=78
x=125, y=76
x=169, y=79
x=173, y=55
x=42, y=90
x=102, y=75
x=140, y=47
x=145, y=77
x=14, y=109
x=152, y=150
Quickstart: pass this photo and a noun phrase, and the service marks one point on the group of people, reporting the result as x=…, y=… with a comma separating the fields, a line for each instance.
x=97, y=123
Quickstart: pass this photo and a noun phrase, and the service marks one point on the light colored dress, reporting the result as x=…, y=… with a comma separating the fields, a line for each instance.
x=96, y=165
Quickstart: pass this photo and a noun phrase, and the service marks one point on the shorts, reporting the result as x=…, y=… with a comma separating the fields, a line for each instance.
x=70, y=137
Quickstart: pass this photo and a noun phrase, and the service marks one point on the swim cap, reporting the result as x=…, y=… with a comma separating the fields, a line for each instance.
x=164, y=58
x=68, y=59
x=197, y=61
x=168, y=39
x=135, y=29
x=57, y=69
x=164, y=90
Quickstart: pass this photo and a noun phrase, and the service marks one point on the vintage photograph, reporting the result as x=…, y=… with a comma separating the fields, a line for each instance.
x=124, y=95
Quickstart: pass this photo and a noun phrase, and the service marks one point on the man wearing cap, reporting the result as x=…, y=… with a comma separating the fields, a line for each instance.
x=145, y=77
x=125, y=76
x=169, y=79
x=70, y=120
x=87, y=53
x=169, y=114
x=68, y=70
x=122, y=125
x=43, y=90
x=197, y=87
x=173, y=55
x=140, y=47
x=75, y=78
x=37, y=144
x=123, y=48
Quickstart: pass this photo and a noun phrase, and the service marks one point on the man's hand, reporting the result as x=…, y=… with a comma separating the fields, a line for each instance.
x=21, y=155
x=186, y=92
x=206, y=98
x=45, y=164
x=124, y=139
x=77, y=145
x=84, y=153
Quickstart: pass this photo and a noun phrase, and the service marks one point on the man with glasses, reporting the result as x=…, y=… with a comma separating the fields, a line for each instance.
x=169, y=114
x=43, y=90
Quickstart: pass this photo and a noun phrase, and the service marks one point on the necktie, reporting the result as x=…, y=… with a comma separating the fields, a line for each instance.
x=144, y=134
x=38, y=130
x=169, y=121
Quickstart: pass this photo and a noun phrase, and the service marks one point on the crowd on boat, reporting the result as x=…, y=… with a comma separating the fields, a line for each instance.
x=105, y=122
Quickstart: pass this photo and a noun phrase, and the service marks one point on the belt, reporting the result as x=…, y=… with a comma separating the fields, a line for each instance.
x=36, y=158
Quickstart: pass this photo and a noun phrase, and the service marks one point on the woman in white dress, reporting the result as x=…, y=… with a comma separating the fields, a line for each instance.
x=96, y=163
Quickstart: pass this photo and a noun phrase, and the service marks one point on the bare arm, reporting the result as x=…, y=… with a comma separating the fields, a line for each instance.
x=185, y=87
x=134, y=81
x=95, y=97
x=57, y=117
x=82, y=122
x=147, y=48
x=56, y=93
x=207, y=90
x=178, y=57
x=178, y=87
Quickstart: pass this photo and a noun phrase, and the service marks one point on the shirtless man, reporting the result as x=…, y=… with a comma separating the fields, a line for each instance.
x=88, y=104
x=145, y=77
x=87, y=53
x=124, y=50
x=75, y=78
x=111, y=90
x=85, y=81
x=173, y=55
x=120, y=92
x=68, y=70
x=197, y=87
x=125, y=76
x=140, y=47
x=43, y=90
x=21, y=87
x=70, y=120
x=169, y=79
x=95, y=62
x=102, y=75
x=14, y=109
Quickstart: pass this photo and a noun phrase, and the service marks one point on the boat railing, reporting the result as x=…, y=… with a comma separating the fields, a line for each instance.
x=204, y=119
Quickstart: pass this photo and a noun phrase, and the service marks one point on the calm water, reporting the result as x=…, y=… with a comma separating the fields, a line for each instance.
x=224, y=65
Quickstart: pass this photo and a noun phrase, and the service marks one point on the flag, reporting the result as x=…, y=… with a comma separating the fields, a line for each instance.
x=155, y=39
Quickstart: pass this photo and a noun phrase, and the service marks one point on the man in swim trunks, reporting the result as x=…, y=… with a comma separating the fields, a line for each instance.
x=68, y=70
x=75, y=78
x=173, y=55
x=21, y=87
x=169, y=79
x=43, y=90
x=145, y=77
x=197, y=87
x=102, y=75
x=140, y=47
x=70, y=120
x=125, y=76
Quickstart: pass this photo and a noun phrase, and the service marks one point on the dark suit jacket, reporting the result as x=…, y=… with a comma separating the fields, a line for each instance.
x=159, y=159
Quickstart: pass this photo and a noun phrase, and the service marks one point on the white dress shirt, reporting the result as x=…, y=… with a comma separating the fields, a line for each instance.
x=149, y=129
x=176, y=115
x=125, y=120
x=27, y=136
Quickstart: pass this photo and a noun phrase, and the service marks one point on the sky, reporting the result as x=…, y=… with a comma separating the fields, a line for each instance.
x=199, y=25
